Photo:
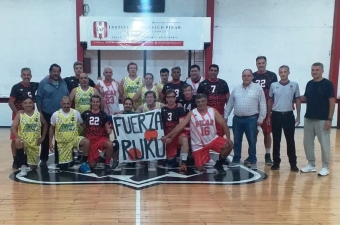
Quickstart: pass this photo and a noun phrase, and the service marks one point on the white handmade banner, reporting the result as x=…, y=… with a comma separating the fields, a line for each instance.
x=145, y=33
x=139, y=136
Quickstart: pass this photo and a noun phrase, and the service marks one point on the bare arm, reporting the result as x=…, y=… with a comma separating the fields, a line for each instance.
x=298, y=110
x=221, y=121
x=303, y=99
x=44, y=127
x=331, y=107
x=15, y=125
x=121, y=90
x=12, y=105
x=269, y=106
x=136, y=97
x=139, y=109
x=73, y=95
x=51, y=134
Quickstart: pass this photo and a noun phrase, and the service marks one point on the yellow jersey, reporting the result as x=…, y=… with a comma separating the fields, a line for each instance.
x=29, y=127
x=66, y=128
x=144, y=90
x=131, y=87
x=82, y=99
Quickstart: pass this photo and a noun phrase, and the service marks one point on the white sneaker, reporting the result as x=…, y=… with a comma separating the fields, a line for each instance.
x=23, y=171
x=210, y=163
x=324, y=171
x=308, y=168
x=234, y=164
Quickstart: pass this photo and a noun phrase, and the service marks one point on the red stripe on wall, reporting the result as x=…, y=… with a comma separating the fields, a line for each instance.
x=209, y=50
x=79, y=12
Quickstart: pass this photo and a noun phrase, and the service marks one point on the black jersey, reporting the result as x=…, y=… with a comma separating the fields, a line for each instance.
x=95, y=124
x=73, y=82
x=177, y=87
x=265, y=80
x=170, y=117
x=188, y=105
x=216, y=92
x=20, y=91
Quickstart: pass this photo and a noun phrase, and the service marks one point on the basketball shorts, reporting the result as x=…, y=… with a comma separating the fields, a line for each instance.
x=267, y=129
x=171, y=148
x=202, y=156
x=32, y=151
x=65, y=149
x=95, y=146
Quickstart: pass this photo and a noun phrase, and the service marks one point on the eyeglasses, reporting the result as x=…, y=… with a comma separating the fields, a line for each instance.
x=171, y=96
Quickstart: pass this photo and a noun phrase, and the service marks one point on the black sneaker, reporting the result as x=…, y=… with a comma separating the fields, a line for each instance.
x=219, y=167
x=294, y=168
x=108, y=169
x=268, y=159
x=115, y=165
x=275, y=166
x=43, y=164
x=15, y=164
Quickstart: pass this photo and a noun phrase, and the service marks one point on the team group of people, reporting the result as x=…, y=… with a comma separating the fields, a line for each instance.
x=75, y=113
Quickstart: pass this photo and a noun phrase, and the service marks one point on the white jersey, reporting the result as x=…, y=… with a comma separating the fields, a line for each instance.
x=193, y=84
x=202, y=128
x=111, y=96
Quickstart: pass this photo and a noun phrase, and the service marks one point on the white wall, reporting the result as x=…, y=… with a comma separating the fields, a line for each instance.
x=35, y=34
x=155, y=59
x=296, y=33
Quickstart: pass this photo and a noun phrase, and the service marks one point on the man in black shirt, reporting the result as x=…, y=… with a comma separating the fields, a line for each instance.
x=73, y=82
x=176, y=84
x=19, y=92
x=320, y=99
x=188, y=100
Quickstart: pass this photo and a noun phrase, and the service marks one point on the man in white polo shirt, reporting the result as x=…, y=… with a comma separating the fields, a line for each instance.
x=249, y=104
x=282, y=94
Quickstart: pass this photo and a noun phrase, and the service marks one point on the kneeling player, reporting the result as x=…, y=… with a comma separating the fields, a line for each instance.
x=28, y=122
x=64, y=124
x=172, y=116
x=97, y=129
x=203, y=134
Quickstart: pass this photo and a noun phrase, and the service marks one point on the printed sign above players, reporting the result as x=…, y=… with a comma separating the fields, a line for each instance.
x=139, y=136
x=145, y=33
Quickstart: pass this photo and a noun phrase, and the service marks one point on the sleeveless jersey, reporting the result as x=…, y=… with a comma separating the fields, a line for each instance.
x=144, y=90
x=30, y=127
x=131, y=87
x=160, y=85
x=202, y=128
x=66, y=128
x=146, y=109
x=82, y=99
x=110, y=96
x=194, y=85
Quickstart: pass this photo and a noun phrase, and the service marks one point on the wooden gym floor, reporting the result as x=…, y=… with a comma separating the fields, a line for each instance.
x=283, y=198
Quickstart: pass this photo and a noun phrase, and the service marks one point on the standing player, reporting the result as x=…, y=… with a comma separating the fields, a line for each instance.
x=73, y=81
x=151, y=104
x=176, y=84
x=28, y=123
x=108, y=88
x=97, y=129
x=217, y=92
x=130, y=85
x=171, y=117
x=81, y=95
x=265, y=78
x=148, y=78
x=202, y=122
x=19, y=92
x=164, y=74
x=64, y=126
x=195, y=78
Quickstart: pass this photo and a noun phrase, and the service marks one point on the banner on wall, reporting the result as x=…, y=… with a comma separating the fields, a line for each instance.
x=139, y=136
x=146, y=33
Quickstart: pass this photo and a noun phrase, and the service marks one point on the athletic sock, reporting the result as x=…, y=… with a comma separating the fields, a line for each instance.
x=184, y=157
x=84, y=159
x=267, y=150
x=107, y=160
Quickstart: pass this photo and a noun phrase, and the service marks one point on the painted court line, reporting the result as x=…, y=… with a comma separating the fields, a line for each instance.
x=138, y=207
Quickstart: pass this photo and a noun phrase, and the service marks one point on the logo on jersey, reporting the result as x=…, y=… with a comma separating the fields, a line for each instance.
x=100, y=29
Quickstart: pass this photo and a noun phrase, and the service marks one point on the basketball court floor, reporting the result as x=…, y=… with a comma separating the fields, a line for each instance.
x=162, y=196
